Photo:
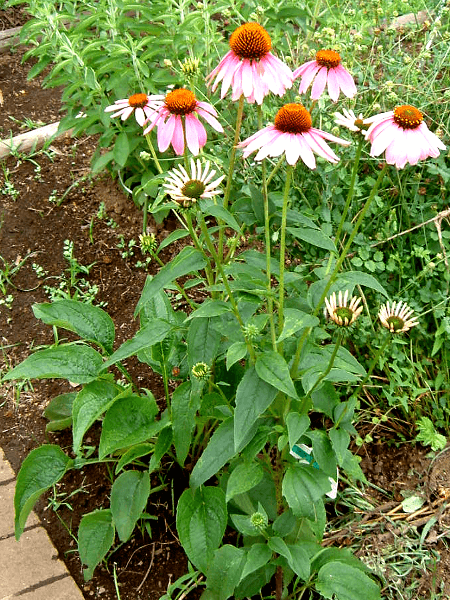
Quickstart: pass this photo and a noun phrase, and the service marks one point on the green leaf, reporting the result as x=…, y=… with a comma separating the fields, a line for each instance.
x=224, y=215
x=201, y=523
x=133, y=453
x=129, y=495
x=162, y=446
x=210, y=308
x=316, y=237
x=323, y=452
x=352, y=278
x=173, y=237
x=325, y=399
x=202, y=342
x=299, y=562
x=41, y=469
x=89, y=322
x=129, y=421
x=343, y=582
x=121, y=149
x=340, y=440
x=59, y=412
x=294, y=320
x=296, y=425
x=272, y=368
x=95, y=537
x=185, y=405
x=253, y=397
x=89, y=405
x=243, y=478
x=187, y=261
x=257, y=557
x=77, y=363
x=224, y=573
x=235, y=352
x=217, y=453
x=151, y=334
x=303, y=487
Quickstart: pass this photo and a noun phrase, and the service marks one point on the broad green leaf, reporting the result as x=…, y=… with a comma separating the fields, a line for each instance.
x=202, y=342
x=95, y=537
x=272, y=368
x=293, y=216
x=89, y=405
x=340, y=440
x=294, y=320
x=316, y=237
x=41, y=469
x=134, y=453
x=342, y=555
x=89, y=322
x=201, y=523
x=129, y=495
x=325, y=399
x=253, y=397
x=343, y=582
x=75, y=362
x=187, y=261
x=217, y=453
x=299, y=562
x=303, y=487
x=162, y=446
x=59, y=412
x=352, y=278
x=185, y=405
x=296, y=425
x=210, y=308
x=279, y=546
x=235, y=352
x=323, y=452
x=224, y=215
x=151, y=334
x=243, y=478
x=257, y=556
x=121, y=149
x=243, y=525
x=173, y=237
x=224, y=573
x=129, y=421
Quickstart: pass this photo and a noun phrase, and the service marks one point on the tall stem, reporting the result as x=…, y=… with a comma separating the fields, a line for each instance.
x=153, y=153
x=373, y=364
x=287, y=186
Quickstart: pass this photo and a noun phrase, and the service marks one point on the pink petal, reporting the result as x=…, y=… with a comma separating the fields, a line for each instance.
x=140, y=116
x=178, y=138
x=319, y=146
x=209, y=108
x=304, y=68
x=247, y=73
x=333, y=85
x=306, y=153
x=210, y=119
x=308, y=76
x=346, y=81
x=165, y=133
x=191, y=134
x=319, y=83
x=384, y=139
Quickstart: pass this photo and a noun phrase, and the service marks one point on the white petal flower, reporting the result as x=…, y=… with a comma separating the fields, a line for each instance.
x=339, y=311
x=350, y=120
x=397, y=317
x=187, y=188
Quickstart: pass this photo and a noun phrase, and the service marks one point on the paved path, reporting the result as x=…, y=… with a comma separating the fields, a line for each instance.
x=29, y=569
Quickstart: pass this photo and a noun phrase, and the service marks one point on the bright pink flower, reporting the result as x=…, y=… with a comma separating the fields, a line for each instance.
x=326, y=70
x=169, y=114
x=293, y=134
x=404, y=136
x=139, y=103
x=249, y=67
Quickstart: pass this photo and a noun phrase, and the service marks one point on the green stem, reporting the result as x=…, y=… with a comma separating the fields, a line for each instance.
x=145, y=216
x=373, y=364
x=338, y=265
x=153, y=153
x=177, y=285
x=198, y=245
x=330, y=364
x=275, y=170
x=287, y=186
x=185, y=148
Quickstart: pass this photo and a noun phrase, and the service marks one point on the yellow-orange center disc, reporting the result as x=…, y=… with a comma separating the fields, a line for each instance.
x=408, y=117
x=328, y=58
x=250, y=40
x=138, y=100
x=293, y=118
x=181, y=102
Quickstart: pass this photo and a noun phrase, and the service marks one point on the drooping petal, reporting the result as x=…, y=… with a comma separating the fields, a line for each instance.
x=333, y=85
x=191, y=134
x=346, y=81
x=177, y=137
x=165, y=133
x=210, y=119
x=306, y=68
x=319, y=83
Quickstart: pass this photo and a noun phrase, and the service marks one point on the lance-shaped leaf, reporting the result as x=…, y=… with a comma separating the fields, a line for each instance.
x=316, y=237
x=75, y=362
x=352, y=278
x=41, y=469
x=129, y=495
x=95, y=537
x=295, y=320
x=271, y=367
x=210, y=308
x=151, y=334
x=89, y=322
x=187, y=261
x=59, y=412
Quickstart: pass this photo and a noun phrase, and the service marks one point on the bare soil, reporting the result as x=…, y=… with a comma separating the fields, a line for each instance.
x=32, y=230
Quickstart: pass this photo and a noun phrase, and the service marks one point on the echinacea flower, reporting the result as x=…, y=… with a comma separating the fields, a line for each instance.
x=292, y=133
x=349, y=120
x=404, y=135
x=397, y=317
x=325, y=70
x=187, y=188
x=171, y=110
x=339, y=311
x=140, y=104
x=250, y=68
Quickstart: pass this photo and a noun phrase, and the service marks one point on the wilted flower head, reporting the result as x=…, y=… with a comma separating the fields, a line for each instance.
x=140, y=104
x=250, y=68
x=349, y=120
x=397, y=317
x=187, y=188
x=168, y=115
x=404, y=135
x=292, y=133
x=325, y=70
x=339, y=311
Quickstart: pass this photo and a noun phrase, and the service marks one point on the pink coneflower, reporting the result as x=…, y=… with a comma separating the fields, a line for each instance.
x=249, y=67
x=140, y=104
x=293, y=134
x=169, y=114
x=404, y=136
x=326, y=70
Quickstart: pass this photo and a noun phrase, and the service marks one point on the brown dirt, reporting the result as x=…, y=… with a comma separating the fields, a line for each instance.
x=33, y=227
